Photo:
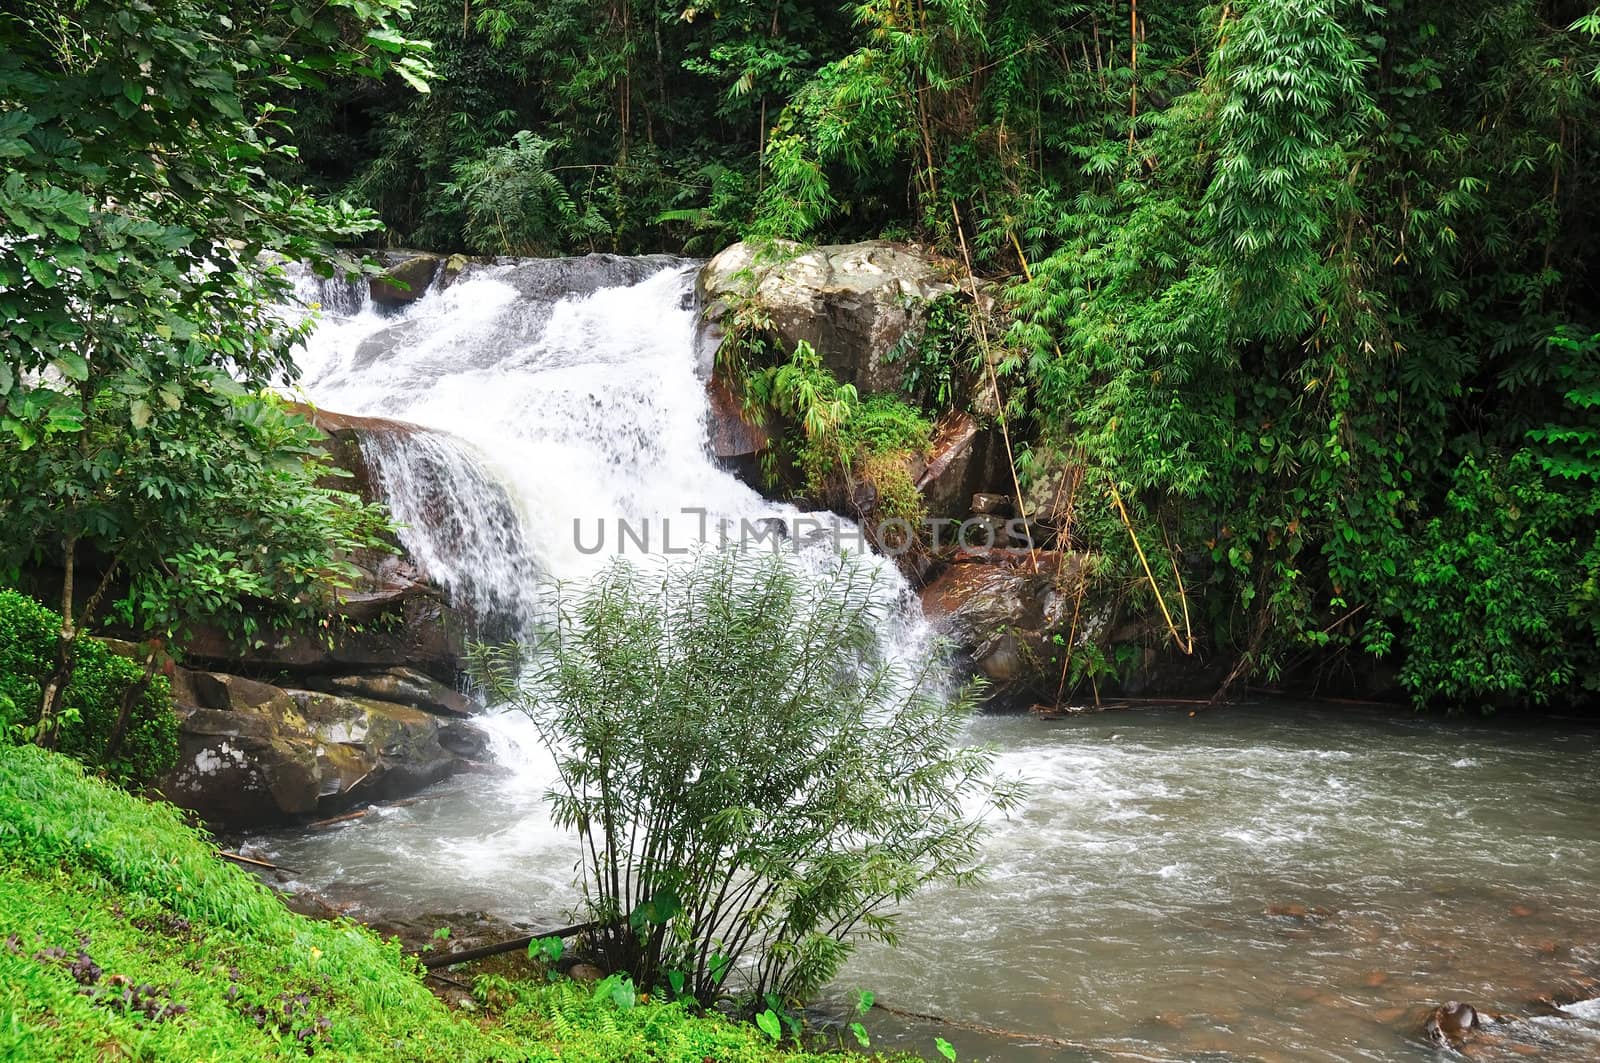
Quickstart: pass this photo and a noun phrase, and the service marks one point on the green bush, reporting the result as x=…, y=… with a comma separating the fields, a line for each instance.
x=1494, y=602
x=755, y=783
x=837, y=440
x=146, y=744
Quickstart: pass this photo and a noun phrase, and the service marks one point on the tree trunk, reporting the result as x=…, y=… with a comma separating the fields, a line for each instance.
x=130, y=698
x=66, y=650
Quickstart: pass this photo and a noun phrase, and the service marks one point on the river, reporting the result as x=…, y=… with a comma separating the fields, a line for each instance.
x=1274, y=881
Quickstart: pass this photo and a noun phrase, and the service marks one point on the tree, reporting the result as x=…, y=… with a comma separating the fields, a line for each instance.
x=754, y=781
x=137, y=298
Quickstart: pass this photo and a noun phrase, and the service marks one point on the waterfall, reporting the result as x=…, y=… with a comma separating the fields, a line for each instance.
x=561, y=410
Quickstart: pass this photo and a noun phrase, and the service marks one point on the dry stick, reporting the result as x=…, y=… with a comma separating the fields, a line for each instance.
x=1183, y=593
x=448, y=959
x=1186, y=645
x=994, y=382
x=447, y=980
x=1082, y=583
x=347, y=817
x=1133, y=63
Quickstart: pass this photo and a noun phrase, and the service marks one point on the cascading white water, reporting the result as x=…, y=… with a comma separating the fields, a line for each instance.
x=569, y=389
x=562, y=412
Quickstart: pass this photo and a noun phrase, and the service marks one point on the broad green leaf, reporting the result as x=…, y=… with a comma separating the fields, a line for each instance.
x=43, y=271
x=72, y=365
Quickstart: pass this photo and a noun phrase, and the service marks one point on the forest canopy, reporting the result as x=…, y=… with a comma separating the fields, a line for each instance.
x=1309, y=282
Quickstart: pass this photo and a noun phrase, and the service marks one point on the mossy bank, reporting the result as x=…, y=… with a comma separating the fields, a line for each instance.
x=127, y=939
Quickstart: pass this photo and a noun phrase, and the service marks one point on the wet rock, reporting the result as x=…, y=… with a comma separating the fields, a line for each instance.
x=405, y=280
x=454, y=266
x=402, y=686
x=585, y=972
x=1451, y=1022
x=964, y=460
x=251, y=753
x=218, y=690
x=420, y=630
x=854, y=303
x=1000, y=615
x=1300, y=913
x=343, y=433
x=239, y=768
x=986, y=502
x=730, y=435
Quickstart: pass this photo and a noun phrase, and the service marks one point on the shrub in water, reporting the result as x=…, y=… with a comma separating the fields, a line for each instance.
x=754, y=781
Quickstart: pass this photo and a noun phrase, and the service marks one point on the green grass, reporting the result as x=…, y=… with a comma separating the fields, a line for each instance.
x=126, y=939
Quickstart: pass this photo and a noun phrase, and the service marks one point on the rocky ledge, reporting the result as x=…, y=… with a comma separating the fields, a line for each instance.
x=362, y=706
x=252, y=753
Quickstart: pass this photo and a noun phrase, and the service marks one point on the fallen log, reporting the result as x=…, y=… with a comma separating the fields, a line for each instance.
x=347, y=817
x=446, y=959
x=253, y=862
x=447, y=980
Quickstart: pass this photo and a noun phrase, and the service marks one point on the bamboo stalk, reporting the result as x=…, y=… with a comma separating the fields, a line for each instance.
x=994, y=382
x=1186, y=645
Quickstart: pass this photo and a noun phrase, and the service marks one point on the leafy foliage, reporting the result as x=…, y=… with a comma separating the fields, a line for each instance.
x=1487, y=597
x=514, y=203
x=839, y=442
x=754, y=784
x=117, y=721
x=137, y=294
x=1275, y=270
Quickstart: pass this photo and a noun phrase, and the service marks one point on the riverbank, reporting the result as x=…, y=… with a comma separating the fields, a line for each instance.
x=127, y=938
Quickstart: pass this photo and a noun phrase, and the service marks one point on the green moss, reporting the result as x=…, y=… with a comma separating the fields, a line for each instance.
x=129, y=940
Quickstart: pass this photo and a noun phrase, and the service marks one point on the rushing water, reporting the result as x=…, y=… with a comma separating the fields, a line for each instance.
x=1266, y=882
x=1262, y=882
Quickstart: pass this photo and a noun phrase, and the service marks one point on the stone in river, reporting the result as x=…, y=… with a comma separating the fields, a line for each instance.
x=1451, y=1021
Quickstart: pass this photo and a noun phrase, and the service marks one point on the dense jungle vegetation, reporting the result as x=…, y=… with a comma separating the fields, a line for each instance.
x=1308, y=283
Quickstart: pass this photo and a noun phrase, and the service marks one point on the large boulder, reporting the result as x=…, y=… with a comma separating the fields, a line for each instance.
x=855, y=303
x=251, y=753
x=1001, y=614
x=406, y=277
